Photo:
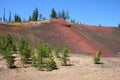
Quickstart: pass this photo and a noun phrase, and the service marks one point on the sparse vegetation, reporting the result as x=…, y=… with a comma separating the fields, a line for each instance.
x=7, y=48
x=97, y=57
x=65, y=56
x=64, y=15
x=34, y=16
x=44, y=57
x=57, y=51
x=9, y=59
x=17, y=18
x=40, y=55
x=24, y=49
x=50, y=64
x=33, y=57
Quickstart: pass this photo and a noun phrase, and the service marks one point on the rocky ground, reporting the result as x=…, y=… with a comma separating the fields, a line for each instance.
x=83, y=68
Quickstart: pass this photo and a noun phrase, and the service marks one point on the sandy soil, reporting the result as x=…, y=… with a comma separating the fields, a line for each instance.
x=83, y=68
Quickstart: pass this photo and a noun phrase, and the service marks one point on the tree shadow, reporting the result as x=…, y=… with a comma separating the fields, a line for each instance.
x=68, y=65
x=99, y=63
x=13, y=67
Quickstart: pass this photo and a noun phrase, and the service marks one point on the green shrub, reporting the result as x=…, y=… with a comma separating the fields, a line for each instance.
x=10, y=61
x=65, y=56
x=40, y=54
x=33, y=58
x=50, y=64
x=24, y=49
x=44, y=57
x=7, y=48
x=57, y=51
x=97, y=57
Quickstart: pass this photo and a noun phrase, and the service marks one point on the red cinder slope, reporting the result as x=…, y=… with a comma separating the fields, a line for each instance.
x=79, y=38
x=77, y=41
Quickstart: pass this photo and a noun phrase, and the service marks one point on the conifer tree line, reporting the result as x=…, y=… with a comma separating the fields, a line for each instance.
x=35, y=16
x=17, y=18
x=41, y=56
x=119, y=25
x=61, y=14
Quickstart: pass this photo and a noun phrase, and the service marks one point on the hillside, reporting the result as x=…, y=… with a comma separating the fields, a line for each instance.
x=80, y=38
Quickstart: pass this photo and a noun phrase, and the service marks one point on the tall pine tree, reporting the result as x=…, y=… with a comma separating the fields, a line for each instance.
x=4, y=15
x=10, y=17
x=53, y=13
x=35, y=15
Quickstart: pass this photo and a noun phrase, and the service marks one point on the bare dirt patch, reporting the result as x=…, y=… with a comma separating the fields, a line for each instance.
x=83, y=68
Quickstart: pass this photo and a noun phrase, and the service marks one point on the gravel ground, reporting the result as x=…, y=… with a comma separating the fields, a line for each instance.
x=83, y=68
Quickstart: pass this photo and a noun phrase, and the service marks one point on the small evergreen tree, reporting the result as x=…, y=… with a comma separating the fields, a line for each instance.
x=33, y=57
x=6, y=42
x=24, y=49
x=40, y=55
x=97, y=57
x=9, y=58
x=57, y=51
x=44, y=57
x=7, y=48
x=49, y=60
x=65, y=56
x=50, y=64
x=2, y=45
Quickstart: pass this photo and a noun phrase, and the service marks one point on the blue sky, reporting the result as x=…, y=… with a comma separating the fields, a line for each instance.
x=91, y=12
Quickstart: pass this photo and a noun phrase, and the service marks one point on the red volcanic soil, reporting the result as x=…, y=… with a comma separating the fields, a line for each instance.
x=79, y=38
x=80, y=42
x=102, y=29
